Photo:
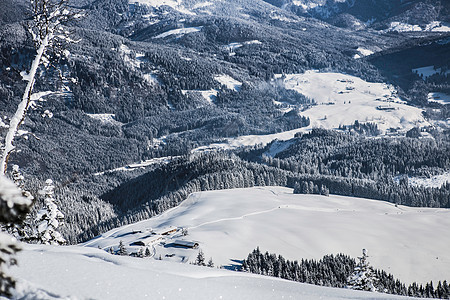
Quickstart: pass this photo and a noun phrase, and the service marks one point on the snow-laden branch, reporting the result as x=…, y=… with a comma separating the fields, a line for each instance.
x=22, y=108
x=48, y=33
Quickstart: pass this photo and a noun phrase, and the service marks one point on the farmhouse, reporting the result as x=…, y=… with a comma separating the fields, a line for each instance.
x=186, y=244
x=166, y=230
x=147, y=240
x=386, y=108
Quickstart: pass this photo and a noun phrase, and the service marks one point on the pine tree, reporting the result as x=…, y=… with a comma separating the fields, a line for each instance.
x=49, y=218
x=13, y=207
x=324, y=190
x=200, y=260
x=140, y=253
x=363, y=276
x=210, y=263
x=22, y=231
x=147, y=252
x=122, y=250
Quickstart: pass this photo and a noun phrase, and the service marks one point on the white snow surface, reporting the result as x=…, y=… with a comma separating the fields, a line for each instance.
x=229, y=82
x=176, y=5
x=441, y=98
x=363, y=52
x=142, y=164
x=428, y=71
x=127, y=55
x=410, y=243
x=436, y=26
x=250, y=140
x=178, y=32
x=209, y=95
x=73, y=272
x=106, y=118
x=435, y=181
x=151, y=78
x=235, y=45
x=342, y=99
x=277, y=147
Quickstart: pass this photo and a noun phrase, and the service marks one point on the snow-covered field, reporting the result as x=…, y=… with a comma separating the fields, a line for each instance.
x=435, y=181
x=410, y=243
x=441, y=98
x=142, y=164
x=229, y=82
x=231, y=47
x=435, y=26
x=428, y=71
x=342, y=99
x=208, y=95
x=178, y=32
x=176, y=5
x=362, y=52
x=250, y=140
x=58, y=272
x=106, y=118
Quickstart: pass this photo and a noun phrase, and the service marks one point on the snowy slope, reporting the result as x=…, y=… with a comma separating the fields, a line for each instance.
x=410, y=243
x=56, y=272
x=178, y=32
x=342, y=99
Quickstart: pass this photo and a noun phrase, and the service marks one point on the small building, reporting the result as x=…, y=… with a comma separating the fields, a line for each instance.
x=385, y=108
x=147, y=240
x=166, y=230
x=186, y=244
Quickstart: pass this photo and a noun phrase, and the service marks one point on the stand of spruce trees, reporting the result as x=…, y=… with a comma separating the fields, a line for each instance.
x=334, y=271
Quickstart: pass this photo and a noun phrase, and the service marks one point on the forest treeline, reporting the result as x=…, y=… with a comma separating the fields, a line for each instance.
x=334, y=271
x=313, y=171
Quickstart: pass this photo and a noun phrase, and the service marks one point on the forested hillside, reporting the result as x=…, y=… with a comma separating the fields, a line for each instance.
x=140, y=82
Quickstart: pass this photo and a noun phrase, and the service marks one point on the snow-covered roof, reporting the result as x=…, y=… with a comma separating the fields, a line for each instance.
x=190, y=244
x=165, y=230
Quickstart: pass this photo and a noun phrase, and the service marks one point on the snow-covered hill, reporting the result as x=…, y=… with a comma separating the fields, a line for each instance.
x=410, y=243
x=342, y=99
x=58, y=272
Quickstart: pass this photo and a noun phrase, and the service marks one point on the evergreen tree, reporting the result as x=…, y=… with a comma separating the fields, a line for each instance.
x=49, y=218
x=200, y=260
x=147, y=252
x=24, y=230
x=363, y=276
x=210, y=263
x=122, y=250
x=324, y=190
x=13, y=207
x=140, y=253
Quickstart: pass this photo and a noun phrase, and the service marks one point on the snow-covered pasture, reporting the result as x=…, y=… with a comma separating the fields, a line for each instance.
x=178, y=32
x=435, y=26
x=428, y=71
x=362, y=52
x=73, y=272
x=342, y=99
x=208, y=95
x=105, y=118
x=229, y=82
x=174, y=4
x=410, y=243
x=441, y=98
x=435, y=181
